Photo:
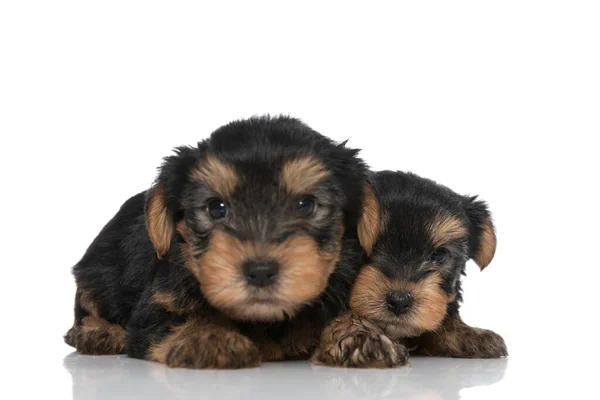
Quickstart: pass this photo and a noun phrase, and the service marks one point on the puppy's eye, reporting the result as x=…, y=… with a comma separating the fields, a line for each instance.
x=217, y=208
x=306, y=206
x=440, y=255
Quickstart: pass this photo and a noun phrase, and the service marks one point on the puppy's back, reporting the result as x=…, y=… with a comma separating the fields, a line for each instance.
x=109, y=271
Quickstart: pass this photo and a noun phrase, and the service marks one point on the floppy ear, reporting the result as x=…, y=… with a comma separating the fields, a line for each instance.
x=163, y=198
x=482, y=233
x=369, y=221
x=159, y=220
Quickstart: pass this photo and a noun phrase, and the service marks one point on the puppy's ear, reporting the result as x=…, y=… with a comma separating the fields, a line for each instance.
x=482, y=237
x=163, y=199
x=369, y=221
x=159, y=220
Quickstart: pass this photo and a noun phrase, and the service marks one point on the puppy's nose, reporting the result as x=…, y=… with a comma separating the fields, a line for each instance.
x=261, y=272
x=398, y=302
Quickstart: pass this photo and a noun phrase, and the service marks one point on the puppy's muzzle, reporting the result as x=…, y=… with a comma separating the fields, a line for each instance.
x=261, y=273
x=399, y=302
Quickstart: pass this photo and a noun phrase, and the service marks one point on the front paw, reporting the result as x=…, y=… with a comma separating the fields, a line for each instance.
x=465, y=342
x=355, y=342
x=482, y=343
x=213, y=350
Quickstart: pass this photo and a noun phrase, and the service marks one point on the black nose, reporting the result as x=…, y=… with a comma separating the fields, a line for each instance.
x=398, y=302
x=261, y=273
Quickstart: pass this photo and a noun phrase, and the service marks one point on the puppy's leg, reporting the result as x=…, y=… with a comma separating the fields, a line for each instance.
x=459, y=340
x=296, y=341
x=352, y=341
x=160, y=331
x=99, y=337
x=300, y=339
x=199, y=344
x=92, y=334
x=71, y=336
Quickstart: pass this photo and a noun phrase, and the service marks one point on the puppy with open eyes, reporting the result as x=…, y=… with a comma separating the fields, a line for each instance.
x=418, y=236
x=243, y=250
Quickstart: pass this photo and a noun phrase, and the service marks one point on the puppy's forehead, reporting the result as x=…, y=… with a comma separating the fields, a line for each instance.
x=221, y=176
x=265, y=139
x=302, y=173
x=417, y=213
x=411, y=233
x=445, y=228
x=295, y=174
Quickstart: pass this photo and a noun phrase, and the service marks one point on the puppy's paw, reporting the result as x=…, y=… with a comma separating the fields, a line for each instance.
x=96, y=336
x=481, y=343
x=366, y=350
x=464, y=342
x=213, y=350
x=354, y=342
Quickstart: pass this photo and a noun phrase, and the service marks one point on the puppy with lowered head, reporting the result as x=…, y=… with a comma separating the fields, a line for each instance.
x=419, y=236
x=243, y=250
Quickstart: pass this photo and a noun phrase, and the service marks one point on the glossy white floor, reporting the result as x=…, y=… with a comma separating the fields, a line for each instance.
x=119, y=377
x=49, y=368
x=426, y=378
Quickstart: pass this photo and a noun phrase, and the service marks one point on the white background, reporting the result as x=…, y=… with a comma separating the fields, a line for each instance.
x=499, y=99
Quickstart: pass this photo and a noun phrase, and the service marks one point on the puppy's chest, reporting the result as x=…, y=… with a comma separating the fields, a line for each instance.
x=258, y=331
x=268, y=338
x=283, y=341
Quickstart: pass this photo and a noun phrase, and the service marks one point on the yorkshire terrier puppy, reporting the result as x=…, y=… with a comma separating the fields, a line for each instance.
x=418, y=236
x=243, y=250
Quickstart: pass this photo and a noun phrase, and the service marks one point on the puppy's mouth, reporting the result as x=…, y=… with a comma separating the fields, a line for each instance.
x=423, y=316
x=257, y=281
x=264, y=299
x=401, y=308
x=259, y=308
x=278, y=301
x=399, y=327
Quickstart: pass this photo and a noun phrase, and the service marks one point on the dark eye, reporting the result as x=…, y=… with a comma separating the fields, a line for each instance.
x=217, y=208
x=306, y=205
x=440, y=255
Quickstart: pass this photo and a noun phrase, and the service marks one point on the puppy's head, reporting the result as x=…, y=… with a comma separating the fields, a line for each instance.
x=419, y=236
x=258, y=211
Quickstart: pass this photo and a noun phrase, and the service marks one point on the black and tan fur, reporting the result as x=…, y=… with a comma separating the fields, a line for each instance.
x=169, y=278
x=418, y=236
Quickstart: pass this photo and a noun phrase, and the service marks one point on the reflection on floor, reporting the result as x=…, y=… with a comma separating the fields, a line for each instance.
x=112, y=377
